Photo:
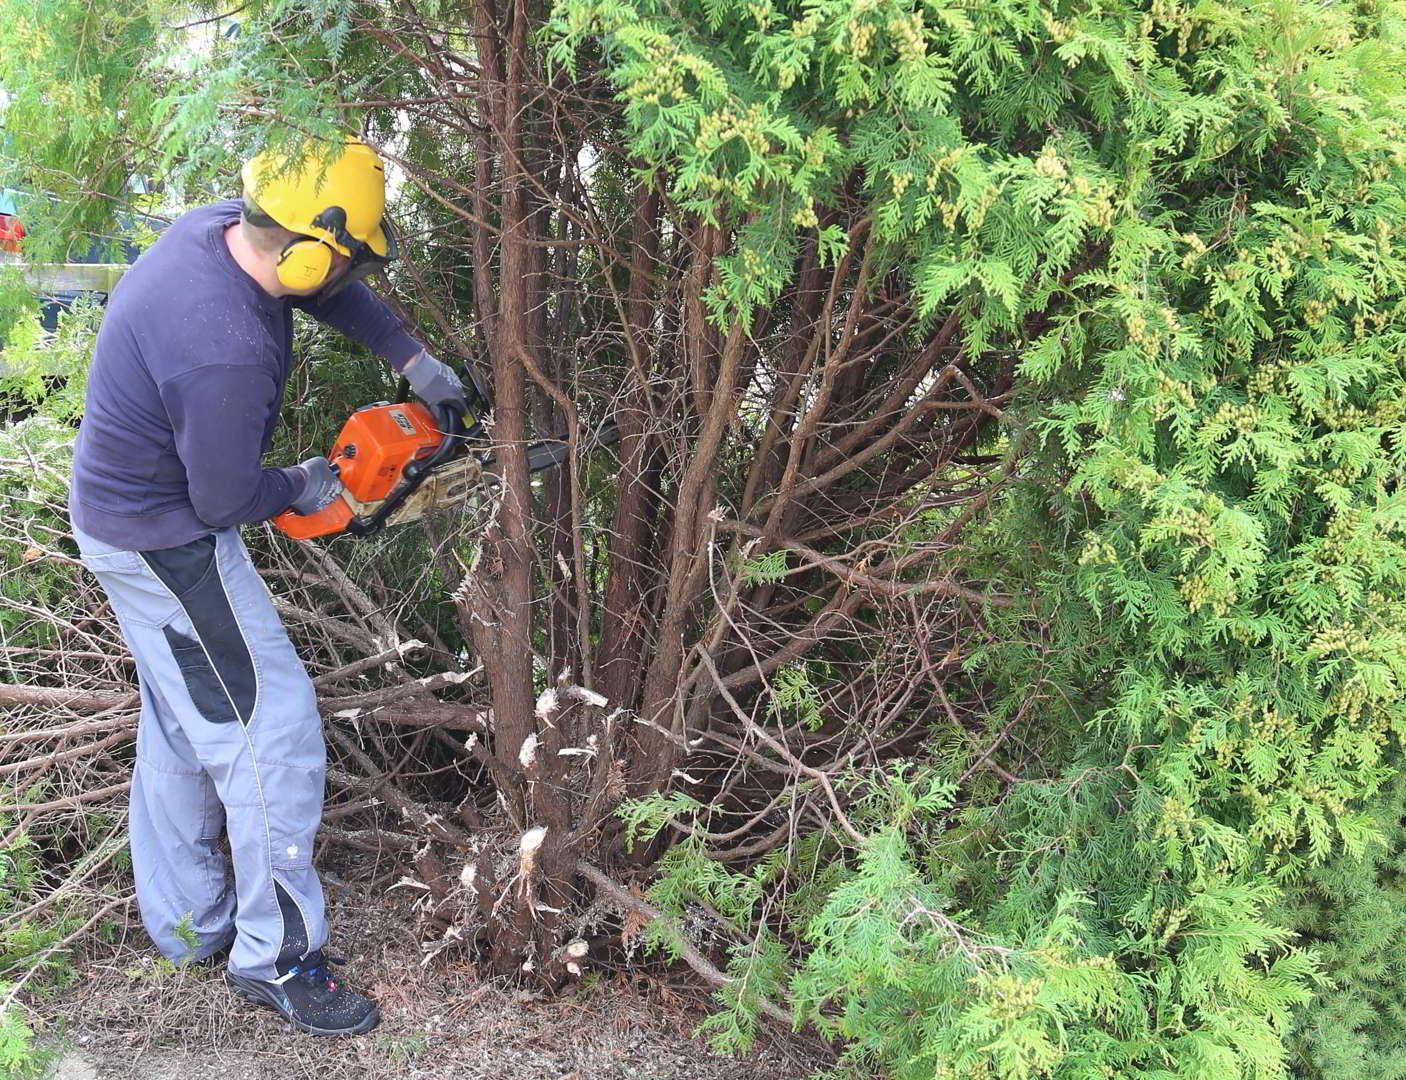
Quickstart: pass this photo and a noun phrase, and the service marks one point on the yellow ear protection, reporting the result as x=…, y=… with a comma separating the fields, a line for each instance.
x=304, y=263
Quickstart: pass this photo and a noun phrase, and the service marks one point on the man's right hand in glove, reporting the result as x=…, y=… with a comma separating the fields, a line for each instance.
x=320, y=485
x=435, y=382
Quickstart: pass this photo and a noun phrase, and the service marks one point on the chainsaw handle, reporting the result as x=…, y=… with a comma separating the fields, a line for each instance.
x=451, y=425
x=475, y=390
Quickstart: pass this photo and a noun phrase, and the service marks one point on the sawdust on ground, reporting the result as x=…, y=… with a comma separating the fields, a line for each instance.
x=125, y=1018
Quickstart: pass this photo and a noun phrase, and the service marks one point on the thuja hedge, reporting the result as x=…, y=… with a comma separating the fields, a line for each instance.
x=1187, y=219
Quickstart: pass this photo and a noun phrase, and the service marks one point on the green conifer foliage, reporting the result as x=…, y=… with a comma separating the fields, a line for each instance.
x=1352, y=910
x=1187, y=220
x=78, y=90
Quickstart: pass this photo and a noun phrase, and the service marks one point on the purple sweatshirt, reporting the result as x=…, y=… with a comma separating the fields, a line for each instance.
x=183, y=396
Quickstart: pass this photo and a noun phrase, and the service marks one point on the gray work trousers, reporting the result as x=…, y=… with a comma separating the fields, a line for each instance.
x=230, y=740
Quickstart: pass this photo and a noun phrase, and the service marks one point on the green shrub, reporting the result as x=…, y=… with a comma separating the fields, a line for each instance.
x=20, y=1059
x=1187, y=222
x=47, y=372
x=1352, y=911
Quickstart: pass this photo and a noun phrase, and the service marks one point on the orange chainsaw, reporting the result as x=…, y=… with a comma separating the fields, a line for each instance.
x=399, y=461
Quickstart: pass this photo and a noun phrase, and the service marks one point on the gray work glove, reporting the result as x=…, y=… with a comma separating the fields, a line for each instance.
x=434, y=382
x=320, y=485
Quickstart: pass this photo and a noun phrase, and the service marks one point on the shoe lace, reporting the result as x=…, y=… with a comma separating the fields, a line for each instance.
x=315, y=971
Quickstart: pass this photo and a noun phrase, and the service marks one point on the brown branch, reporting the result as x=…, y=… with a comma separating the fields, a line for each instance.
x=781, y=748
x=57, y=697
x=71, y=801
x=691, y=956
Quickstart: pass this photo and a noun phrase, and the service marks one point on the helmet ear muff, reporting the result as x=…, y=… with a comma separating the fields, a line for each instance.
x=304, y=264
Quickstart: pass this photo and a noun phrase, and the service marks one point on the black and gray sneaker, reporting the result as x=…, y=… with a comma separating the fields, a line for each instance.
x=311, y=998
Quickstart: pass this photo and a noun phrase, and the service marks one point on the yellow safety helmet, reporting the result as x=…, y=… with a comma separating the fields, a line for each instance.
x=332, y=204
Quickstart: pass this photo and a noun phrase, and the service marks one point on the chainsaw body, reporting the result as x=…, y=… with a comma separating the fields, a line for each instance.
x=395, y=462
x=398, y=462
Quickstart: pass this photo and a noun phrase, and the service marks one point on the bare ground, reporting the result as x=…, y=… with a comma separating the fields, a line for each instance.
x=127, y=1017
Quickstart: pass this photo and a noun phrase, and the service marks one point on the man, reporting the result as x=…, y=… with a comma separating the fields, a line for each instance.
x=188, y=373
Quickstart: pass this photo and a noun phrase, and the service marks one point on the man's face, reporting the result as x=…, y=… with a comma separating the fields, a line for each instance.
x=340, y=263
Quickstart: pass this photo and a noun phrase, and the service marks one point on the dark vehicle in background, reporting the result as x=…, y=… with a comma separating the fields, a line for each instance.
x=116, y=250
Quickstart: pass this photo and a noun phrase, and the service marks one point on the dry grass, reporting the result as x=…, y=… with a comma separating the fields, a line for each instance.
x=130, y=1018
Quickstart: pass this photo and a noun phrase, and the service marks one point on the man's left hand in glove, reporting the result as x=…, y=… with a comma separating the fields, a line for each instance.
x=320, y=485
x=435, y=382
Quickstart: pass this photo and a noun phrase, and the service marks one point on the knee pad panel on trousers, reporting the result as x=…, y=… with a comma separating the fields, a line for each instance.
x=279, y=808
x=206, y=639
